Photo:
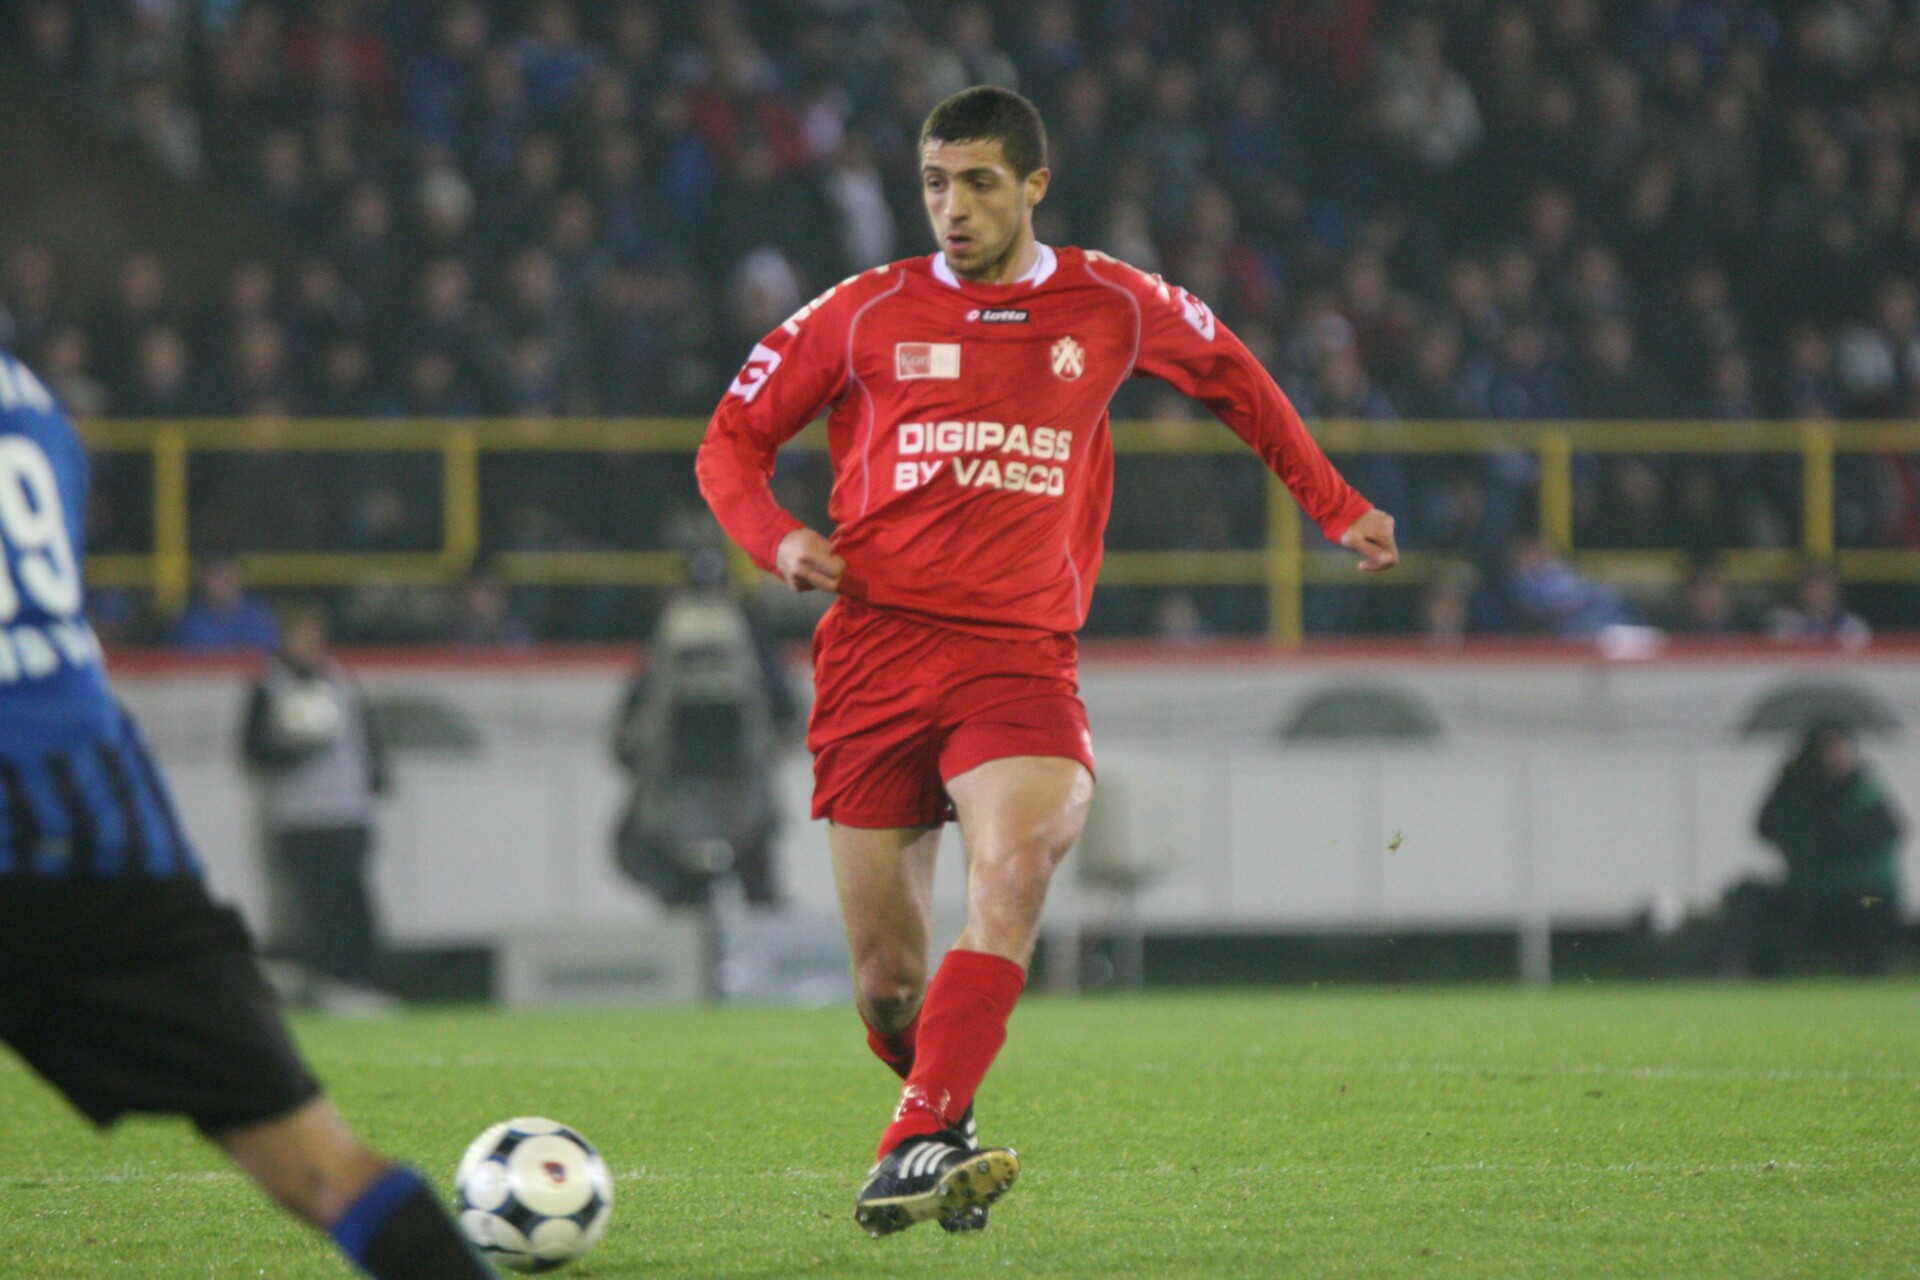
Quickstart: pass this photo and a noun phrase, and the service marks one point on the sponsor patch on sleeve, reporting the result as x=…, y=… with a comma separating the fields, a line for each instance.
x=1197, y=314
x=754, y=374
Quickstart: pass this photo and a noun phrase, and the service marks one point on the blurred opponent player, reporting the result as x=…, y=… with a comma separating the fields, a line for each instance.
x=121, y=982
x=972, y=478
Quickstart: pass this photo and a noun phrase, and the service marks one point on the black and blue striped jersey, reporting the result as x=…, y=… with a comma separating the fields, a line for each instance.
x=79, y=795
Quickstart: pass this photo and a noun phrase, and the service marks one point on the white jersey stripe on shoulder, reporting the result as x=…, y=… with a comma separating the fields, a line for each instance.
x=1080, y=598
x=1139, y=321
x=853, y=372
x=1139, y=326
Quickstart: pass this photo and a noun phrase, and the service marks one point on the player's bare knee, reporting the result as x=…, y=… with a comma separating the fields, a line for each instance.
x=1006, y=895
x=1022, y=865
x=893, y=1014
x=889, y=993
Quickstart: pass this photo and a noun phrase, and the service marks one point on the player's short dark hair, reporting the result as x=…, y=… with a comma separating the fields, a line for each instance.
x=987, y=113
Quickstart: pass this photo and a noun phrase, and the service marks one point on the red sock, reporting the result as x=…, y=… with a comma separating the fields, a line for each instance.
x=895, y=1050
x=962, y=1026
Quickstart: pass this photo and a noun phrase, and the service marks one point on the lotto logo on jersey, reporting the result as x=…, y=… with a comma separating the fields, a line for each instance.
x=1069, y=359
x=754, y=373
x=926, y=360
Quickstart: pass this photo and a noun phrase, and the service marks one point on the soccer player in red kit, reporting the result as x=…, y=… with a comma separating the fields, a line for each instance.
x=973, y=471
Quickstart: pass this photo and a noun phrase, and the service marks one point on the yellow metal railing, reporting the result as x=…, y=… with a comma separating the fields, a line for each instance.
x=1283, y=567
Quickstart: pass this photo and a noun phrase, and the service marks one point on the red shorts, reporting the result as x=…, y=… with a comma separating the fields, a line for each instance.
x=900, y=706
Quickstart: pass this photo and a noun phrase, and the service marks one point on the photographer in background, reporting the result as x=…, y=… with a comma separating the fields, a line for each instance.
x=1839, y=907
x=318, y=770
x=700, y=732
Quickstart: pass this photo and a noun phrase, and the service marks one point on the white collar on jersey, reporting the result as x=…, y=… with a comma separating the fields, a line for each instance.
x=1043, y=264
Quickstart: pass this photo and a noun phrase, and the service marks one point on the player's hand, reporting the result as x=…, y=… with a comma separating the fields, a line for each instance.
x=1372, y=536
x=807, y=563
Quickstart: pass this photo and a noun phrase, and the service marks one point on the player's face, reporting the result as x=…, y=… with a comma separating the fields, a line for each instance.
x=982, y=213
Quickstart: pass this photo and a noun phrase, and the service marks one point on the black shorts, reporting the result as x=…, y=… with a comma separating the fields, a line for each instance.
x=143, y=995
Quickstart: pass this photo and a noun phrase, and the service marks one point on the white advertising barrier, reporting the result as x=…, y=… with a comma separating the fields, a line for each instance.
x=1561, y=787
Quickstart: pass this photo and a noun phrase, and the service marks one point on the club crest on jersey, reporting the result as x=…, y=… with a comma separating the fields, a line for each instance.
x=926, y=360
x=1069, y=358
x=998, y=315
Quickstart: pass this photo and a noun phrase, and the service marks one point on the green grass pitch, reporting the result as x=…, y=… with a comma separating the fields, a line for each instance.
x=1751, y=1132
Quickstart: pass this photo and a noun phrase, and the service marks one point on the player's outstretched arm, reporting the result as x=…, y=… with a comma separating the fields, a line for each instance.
x=805, y=562
x=1372, y=536
x=1185, y=346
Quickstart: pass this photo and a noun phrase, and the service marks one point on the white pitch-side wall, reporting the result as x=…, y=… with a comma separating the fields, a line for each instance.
x=1571, y=788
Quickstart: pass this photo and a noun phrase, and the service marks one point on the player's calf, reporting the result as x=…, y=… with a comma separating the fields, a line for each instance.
x=383, y=1216
x=307, y=1160
x=888, y=999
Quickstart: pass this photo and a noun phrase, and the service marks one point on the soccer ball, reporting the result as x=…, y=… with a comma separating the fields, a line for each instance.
x=533, y=1194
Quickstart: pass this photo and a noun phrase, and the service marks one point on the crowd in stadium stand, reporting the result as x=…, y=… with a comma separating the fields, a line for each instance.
x=1556, y=209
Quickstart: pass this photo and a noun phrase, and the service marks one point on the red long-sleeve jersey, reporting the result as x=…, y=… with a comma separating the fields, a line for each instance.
x=973, y=468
